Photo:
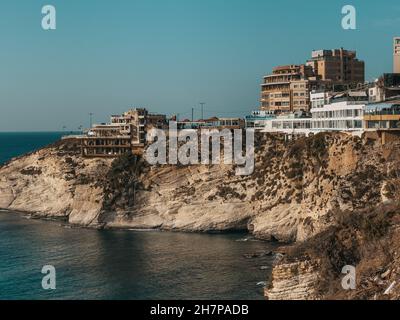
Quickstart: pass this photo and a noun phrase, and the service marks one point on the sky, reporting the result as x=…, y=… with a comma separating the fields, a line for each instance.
x=168, y=55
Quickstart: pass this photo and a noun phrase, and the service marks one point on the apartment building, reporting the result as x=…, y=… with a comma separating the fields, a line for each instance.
x=106, y=140
x=300, y=94
x=125, y=133
x=135, y=120
x=337, y=65
x=286, y=89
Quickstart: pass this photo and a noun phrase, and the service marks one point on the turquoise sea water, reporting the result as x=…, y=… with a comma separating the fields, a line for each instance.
x=13, y=144
x=121, y=264
x=125, y=264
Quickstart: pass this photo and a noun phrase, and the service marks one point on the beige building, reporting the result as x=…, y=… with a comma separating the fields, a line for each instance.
x=288, y=88
x=396, y=55
x=125, y=133
x=106, y=140
x=300, y=94
x=337, y=65
x=278, y=88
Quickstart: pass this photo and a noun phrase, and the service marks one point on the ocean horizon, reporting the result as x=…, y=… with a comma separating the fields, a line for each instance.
x=14, y=144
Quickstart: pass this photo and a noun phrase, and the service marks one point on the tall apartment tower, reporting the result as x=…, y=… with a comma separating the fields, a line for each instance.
x=396, y=55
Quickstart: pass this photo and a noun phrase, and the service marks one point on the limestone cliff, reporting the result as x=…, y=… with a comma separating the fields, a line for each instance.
x=293, y=194
x=366, y=237
x=368, y=240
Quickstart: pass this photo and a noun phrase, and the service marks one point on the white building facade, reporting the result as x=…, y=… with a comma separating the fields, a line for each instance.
x=341, y=112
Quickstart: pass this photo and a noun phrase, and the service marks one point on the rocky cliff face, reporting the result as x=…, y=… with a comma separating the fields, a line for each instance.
x=368, y=240
x=293, y=194
x=296, y=280
x=54, y=182
x=365, y=236
x=336, y=195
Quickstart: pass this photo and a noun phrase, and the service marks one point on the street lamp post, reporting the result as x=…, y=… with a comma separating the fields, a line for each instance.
x=202, y=109
x=90, y=115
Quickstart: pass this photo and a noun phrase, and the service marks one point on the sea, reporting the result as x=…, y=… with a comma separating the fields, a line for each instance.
x=13, y=144
x=122, y=264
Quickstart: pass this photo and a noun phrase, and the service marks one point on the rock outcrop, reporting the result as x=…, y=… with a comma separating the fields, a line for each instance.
x=294, y=281
x=293, y=194
x=368, y=240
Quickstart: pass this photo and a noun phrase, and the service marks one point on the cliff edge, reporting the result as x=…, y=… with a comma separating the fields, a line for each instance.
x=293, y=194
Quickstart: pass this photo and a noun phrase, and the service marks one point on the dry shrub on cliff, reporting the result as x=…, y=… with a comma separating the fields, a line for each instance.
x=31, y=171
x=392, y=189
x=316, y=145
x=68, y=147
x=122, y=181
x=297, y=147
x=227, y=192
x=363, y=239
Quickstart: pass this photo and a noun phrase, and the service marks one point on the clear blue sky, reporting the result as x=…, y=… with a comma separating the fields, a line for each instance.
x=168, y=55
